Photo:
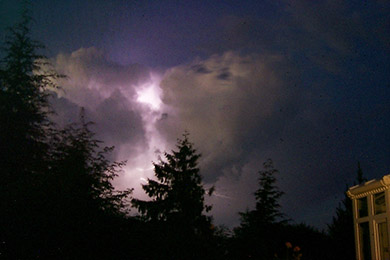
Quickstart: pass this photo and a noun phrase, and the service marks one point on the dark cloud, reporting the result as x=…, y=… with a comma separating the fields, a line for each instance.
x=225, y=74
x=330, y=35
x=264, y=109
x=200, y=69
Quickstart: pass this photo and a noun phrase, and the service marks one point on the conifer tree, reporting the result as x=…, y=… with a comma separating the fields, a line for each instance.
x=176, y=209
x=25, y=81
x=79, y=161
x=177, y=196
x=360, y=178
x=341, y=229
x=258, y=233
x=55, y=184
x=24, y=107
x=267, y=210
x=80, y=196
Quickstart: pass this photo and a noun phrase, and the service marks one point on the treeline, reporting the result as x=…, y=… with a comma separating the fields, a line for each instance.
x=57, y=200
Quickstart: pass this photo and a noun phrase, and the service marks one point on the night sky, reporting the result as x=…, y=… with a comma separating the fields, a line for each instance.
x=305, y=83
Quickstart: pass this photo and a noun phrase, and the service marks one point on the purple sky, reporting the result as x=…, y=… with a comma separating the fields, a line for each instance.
x=301, y=82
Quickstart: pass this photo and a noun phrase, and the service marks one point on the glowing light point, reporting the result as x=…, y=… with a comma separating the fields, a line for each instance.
x=150, y=95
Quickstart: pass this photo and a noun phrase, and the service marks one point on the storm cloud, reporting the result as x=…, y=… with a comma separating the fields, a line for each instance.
x=231, y=104
x=107, y=91
x=303, y=83
x=256, y=111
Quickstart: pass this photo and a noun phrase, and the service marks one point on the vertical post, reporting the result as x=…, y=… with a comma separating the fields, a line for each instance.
x=372, y=225
x=356, y=229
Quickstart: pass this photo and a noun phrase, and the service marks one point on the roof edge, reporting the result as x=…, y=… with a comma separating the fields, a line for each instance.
x=369, y=187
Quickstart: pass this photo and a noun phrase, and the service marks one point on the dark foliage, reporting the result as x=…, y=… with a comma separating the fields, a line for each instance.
x=56, y=198
x=24, y=89
x=82, y=166
x=265, y=233
x=82, y=198
x=304, y=240
x=359, y=176
x=23, y=108
x=267, y=209
x=177, y=204
x=177, y=194
x=341, y=230
x=258, y=234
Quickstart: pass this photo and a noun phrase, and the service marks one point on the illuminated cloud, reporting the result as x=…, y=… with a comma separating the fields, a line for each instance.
x=303, y=83
x=91, y=77
x=122, y=101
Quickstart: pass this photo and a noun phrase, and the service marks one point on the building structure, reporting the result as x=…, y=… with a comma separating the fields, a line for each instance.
x=371, y=213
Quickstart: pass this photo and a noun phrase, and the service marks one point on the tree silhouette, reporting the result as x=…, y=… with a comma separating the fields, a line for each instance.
x=25, y=81
x=23, y=104
x=81, y=198
x=341, y=229
x=56, y=194
x=177, y=194
x=257, y=235
x=81, y=163
x=24, y=108
x=267, y=210
x=177, y=205
x=359, y=177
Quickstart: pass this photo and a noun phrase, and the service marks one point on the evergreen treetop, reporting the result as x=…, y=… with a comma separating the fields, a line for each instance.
x=26, y=76
x=261, y=229
x=178, y=194
x=55, y=187
x=359, y=177
x=79, y=161
x=267, y=210
x=25, y=81
x=341, y=229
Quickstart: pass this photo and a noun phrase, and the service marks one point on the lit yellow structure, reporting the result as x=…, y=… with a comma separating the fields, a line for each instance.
x=371, y=212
